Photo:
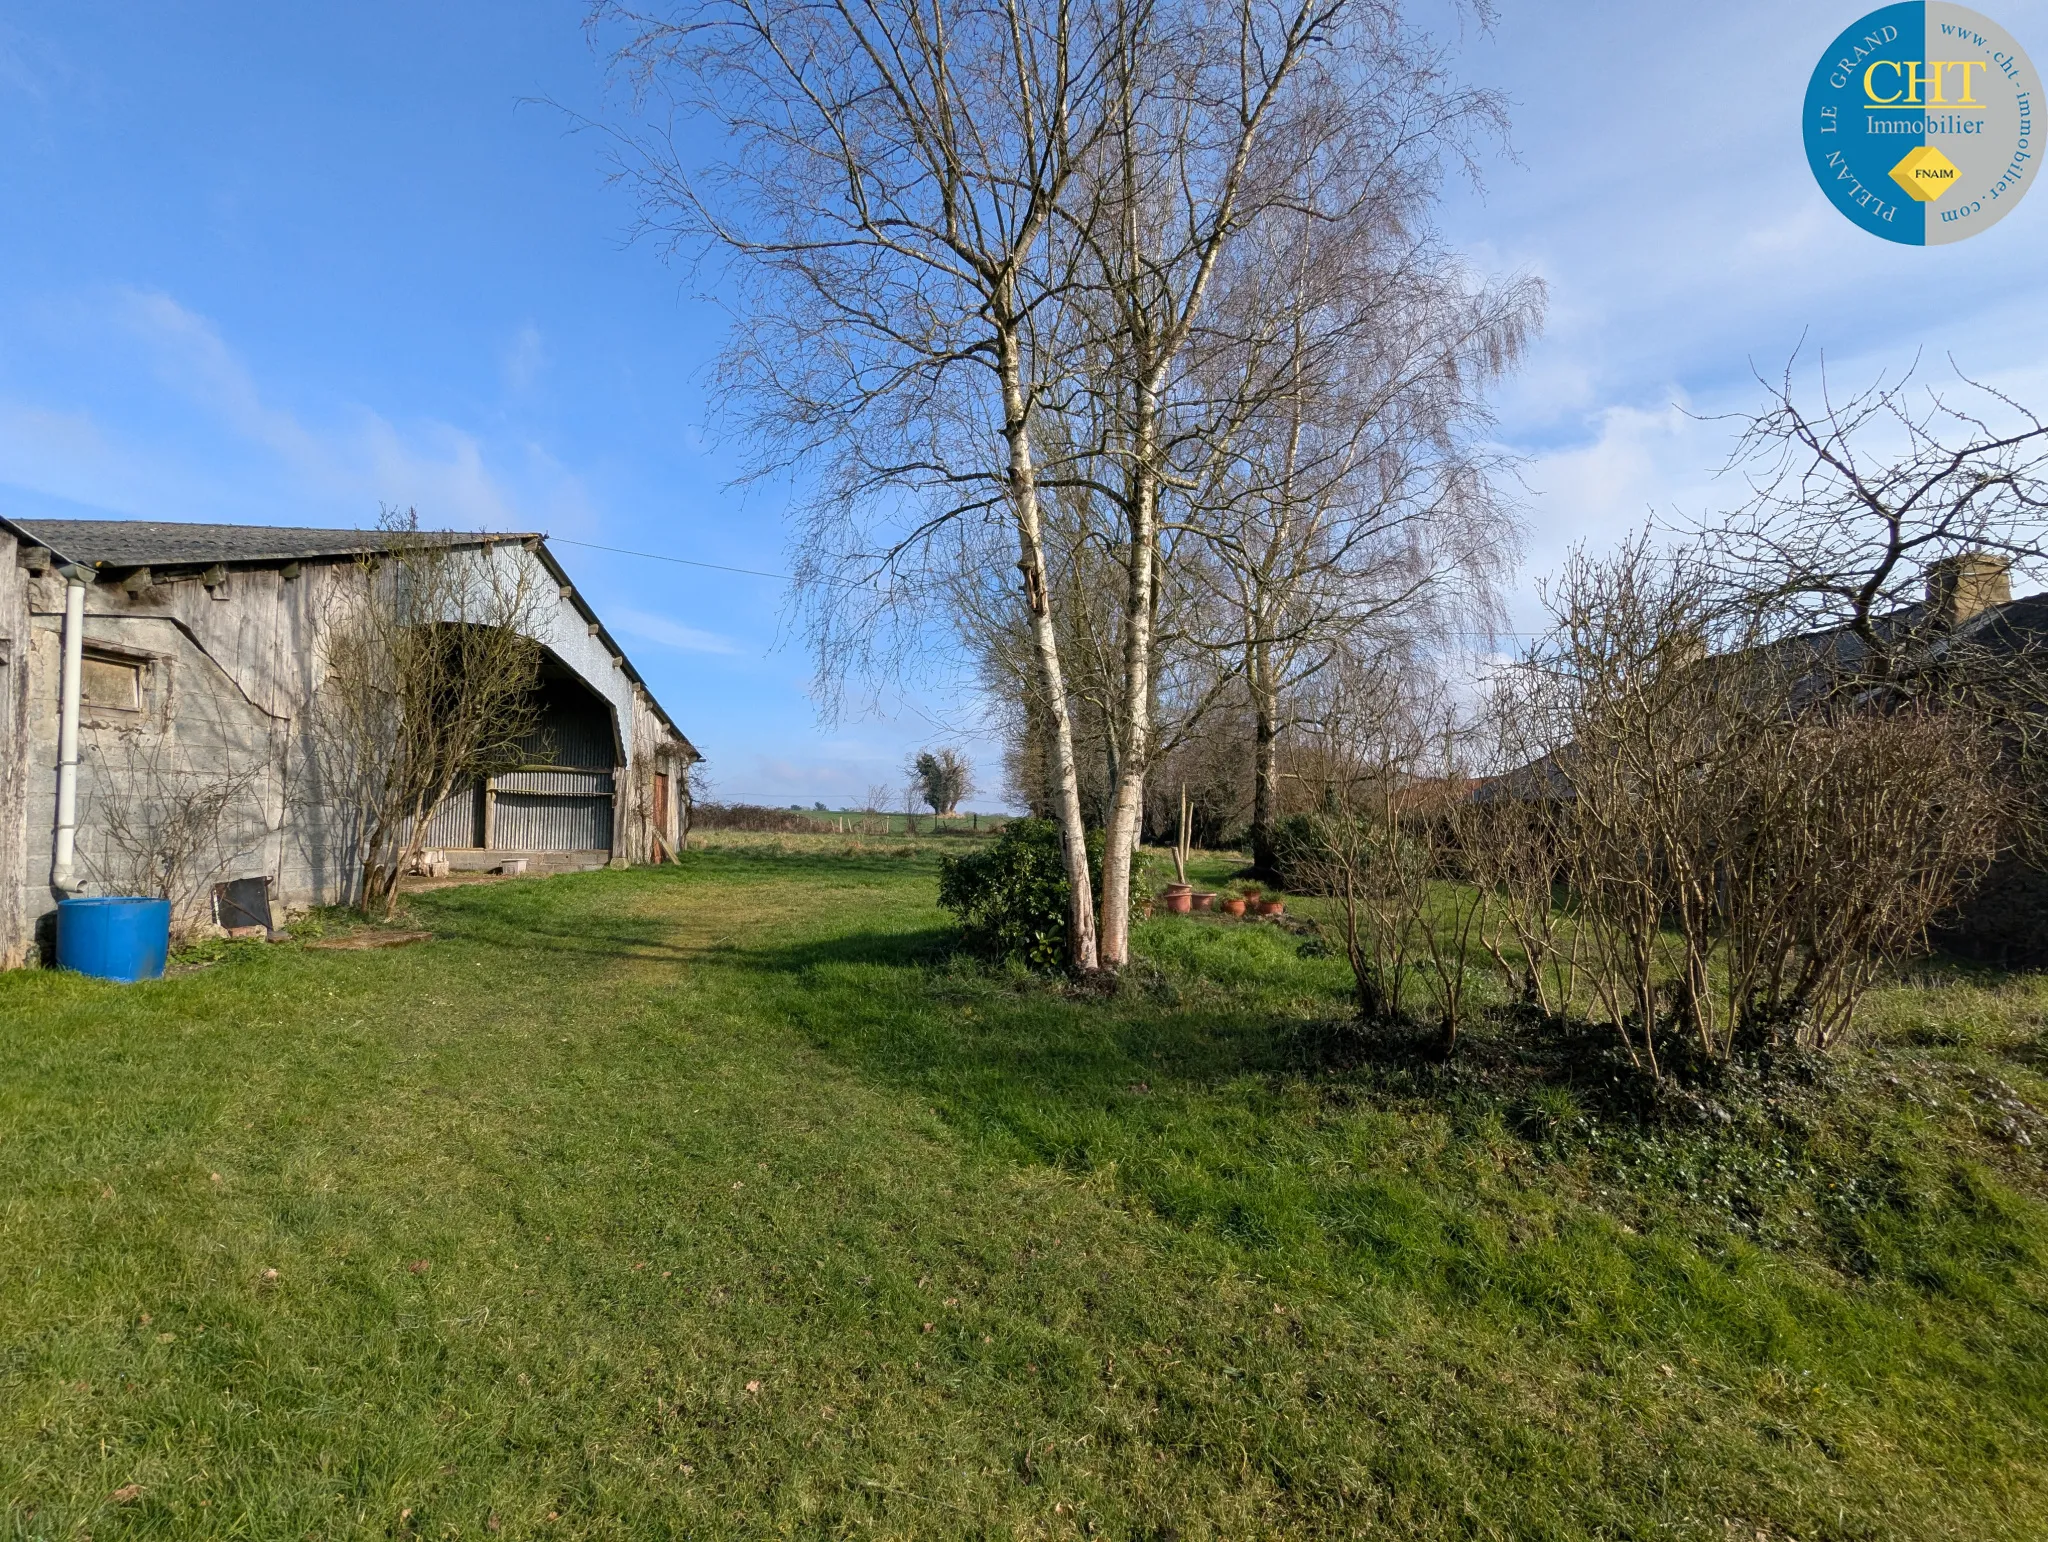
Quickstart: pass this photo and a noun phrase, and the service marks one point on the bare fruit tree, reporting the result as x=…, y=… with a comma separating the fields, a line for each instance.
x=429, y=669
x=1857, y=502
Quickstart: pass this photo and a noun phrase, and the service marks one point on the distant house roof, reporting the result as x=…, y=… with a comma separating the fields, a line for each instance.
x=138, y=543
x=143, y=542
x=2007, y=630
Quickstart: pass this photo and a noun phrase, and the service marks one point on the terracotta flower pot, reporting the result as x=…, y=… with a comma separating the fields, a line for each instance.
x=1204, y=899
x=1234, y=906
x=1179, y=898
x=1272, y=907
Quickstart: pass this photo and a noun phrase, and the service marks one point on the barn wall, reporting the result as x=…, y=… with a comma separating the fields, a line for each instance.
x=16, y=760
x=231, y=673
x=195, y=733
x=655, y=750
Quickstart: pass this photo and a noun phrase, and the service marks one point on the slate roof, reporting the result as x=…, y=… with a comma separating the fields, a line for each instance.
x=145, y=543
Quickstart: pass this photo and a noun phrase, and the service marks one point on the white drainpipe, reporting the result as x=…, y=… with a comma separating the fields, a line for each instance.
x=75, y=578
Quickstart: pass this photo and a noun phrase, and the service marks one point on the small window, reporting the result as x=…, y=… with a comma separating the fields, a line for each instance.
x=110, y=684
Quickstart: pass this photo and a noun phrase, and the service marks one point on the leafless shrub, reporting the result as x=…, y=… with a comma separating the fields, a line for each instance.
x=1437, y=815
x=429, y=673
x=1381, y=841
x=1512, y=840
x=1625, y=708
x=174, y=812
x=1747, y=846
x=1848, y=833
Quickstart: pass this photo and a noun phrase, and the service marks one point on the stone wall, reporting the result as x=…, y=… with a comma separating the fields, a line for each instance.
x=18, y=763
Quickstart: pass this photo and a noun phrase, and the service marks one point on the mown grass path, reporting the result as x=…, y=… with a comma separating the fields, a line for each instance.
x=713, y=1202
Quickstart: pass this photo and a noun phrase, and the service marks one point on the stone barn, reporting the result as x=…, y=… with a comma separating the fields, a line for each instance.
x=159, y=701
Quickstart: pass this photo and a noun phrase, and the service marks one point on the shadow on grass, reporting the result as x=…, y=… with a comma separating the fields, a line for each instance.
x=926, y=948
x=906, y=1007
x=555, y=916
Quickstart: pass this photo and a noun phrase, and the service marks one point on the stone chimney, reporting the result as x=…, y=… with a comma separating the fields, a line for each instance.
x=1967, y=585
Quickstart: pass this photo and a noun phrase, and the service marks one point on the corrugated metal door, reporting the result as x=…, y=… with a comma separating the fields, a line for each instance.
x=458, y=822
x=569, y=738
x=554, y=811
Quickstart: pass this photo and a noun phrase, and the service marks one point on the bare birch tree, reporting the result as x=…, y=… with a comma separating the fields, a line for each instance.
x=1225, y=119
x=954, y=224
x=1344, y=503
x=890, y=176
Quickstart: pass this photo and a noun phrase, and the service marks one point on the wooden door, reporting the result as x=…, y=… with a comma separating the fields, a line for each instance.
x=661, y=804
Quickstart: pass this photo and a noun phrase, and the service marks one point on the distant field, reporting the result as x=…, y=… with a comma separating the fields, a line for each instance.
x=855, y=822
x=719, y=1201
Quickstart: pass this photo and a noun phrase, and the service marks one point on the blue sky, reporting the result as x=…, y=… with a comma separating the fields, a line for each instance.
x=283, y=263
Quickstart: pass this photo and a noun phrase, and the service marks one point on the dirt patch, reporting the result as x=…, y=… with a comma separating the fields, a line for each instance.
x=357, y=942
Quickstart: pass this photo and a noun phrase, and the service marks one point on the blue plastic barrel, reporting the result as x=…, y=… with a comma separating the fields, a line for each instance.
x=114, y=936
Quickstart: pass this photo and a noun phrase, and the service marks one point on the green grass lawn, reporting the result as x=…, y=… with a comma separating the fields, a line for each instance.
x=716, y=1201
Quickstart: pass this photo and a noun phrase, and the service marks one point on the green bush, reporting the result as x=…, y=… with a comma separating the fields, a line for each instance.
x=1011, y=896
x=1297, y=844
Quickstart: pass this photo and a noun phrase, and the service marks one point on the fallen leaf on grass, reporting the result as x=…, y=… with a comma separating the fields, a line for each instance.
x=215, y=1177
x=126, y=1494
x=419, y=1266
x=927, y=1327
x=753, y=1386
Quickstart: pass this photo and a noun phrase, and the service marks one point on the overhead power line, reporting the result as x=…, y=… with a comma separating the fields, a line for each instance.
x=655, y=556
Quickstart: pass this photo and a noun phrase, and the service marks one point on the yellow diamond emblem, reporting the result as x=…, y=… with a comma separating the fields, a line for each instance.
x=1925, y=173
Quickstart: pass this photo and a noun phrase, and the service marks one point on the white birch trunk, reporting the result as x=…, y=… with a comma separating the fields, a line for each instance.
x=1082, y=953
x=1127, y=808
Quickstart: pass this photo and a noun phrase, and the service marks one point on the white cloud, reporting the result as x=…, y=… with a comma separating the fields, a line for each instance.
x=670, y=634
x=524, y=359
x=1640, y=463
x=32, y=65
x=249, y=456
